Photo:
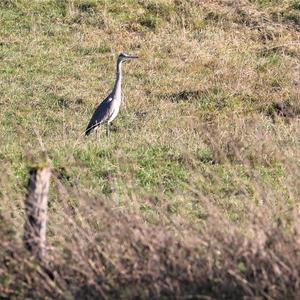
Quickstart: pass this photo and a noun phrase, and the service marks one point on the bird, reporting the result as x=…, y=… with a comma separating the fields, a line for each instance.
x=109, y=108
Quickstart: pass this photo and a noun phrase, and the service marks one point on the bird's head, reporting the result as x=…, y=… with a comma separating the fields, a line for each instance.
x=124, y=57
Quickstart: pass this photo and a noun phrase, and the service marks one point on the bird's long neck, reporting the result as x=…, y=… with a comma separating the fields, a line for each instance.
x=117, y=87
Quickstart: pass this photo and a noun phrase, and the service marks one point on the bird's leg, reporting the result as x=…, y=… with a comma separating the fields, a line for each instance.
x=107, y=129
x=97, y=135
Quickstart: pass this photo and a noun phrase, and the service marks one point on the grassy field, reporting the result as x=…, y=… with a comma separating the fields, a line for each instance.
x=195, y=195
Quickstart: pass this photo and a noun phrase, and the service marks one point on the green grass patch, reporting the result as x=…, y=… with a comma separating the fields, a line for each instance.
x=160, y=167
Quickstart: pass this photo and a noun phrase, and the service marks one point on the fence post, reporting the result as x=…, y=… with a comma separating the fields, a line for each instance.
x=36, y=211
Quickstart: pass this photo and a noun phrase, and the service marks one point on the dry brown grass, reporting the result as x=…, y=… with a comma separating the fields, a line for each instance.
x=196, y=194
x=98, y=252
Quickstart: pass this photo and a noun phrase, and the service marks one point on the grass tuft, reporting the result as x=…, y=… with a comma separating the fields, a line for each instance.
x=196, y=191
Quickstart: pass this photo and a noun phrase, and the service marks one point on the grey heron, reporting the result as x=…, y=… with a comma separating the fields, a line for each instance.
x=109, y=108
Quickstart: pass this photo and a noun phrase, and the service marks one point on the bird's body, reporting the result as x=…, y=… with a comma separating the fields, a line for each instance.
x=109, y=108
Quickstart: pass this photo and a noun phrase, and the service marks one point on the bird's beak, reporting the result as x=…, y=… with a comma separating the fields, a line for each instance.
x=132, y=56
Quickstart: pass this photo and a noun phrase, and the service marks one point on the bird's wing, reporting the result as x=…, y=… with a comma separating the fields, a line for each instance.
x=101, y=114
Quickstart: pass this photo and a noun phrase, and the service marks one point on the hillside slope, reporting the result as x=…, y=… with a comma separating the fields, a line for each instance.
x=208, y=134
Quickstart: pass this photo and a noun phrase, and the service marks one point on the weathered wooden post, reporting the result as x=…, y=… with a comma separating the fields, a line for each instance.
x=36, y=211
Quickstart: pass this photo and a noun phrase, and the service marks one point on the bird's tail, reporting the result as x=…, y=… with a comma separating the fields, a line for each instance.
x=88, y=130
